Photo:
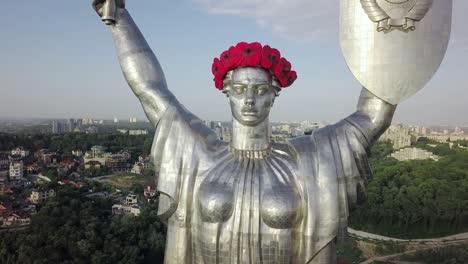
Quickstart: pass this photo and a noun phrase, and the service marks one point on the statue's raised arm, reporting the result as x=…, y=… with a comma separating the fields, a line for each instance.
x=138, y=62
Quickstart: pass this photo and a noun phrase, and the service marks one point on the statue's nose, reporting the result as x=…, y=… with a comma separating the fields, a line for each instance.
x=249, y=101
x=250, y=97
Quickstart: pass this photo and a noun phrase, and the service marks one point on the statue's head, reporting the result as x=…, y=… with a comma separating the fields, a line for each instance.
x=251, y=92
x=252, y=75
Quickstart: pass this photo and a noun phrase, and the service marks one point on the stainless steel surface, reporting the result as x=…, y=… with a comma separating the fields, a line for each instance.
x=251, y=200
x=108, y=12
x=251, y=96
x=394, y=47
x=285, y=204
x=396, y=14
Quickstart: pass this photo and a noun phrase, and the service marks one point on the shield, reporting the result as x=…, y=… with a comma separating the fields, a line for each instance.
x=394, y=47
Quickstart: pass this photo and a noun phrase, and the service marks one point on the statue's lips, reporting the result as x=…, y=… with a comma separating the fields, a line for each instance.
x=249, y=113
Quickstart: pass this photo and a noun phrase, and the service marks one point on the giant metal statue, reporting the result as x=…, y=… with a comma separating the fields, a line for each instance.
x=256, y=201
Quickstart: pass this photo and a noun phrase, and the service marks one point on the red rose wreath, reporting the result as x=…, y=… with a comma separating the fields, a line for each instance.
x=253, y=55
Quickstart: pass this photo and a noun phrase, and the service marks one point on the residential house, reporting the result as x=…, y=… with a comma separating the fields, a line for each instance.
x=39, y=196
x=129, y=207
x=93, y=164
x=119, y=162
x=20, y=152
x=17, y=218
x=16, y=170
x=149, y=192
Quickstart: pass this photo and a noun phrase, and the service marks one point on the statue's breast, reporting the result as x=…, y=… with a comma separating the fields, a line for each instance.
x=215, y=202
x=280, y=207
x=262, y=190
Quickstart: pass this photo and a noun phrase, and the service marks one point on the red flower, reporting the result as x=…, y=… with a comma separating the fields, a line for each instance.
x=275, y=56
x=229, y=59
x=251, y=54
x=266, y=60
x=270, y=57
x=282, y=68
x=217, y=68
x=292, y=76
x=219, y=83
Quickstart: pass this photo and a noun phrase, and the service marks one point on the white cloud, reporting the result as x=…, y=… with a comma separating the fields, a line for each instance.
x=304, y=20
x=308, y=20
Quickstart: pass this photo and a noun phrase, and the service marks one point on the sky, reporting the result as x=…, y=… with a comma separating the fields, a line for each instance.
x=58, y=60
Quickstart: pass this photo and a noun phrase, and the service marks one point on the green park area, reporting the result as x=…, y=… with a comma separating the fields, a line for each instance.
x=416, y=198
x=127, y=181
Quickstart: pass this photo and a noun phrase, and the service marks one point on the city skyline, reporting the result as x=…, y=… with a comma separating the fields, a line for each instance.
x=64, y=65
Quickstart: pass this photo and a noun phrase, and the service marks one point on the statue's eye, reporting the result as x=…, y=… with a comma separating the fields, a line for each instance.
x=261, y=90
x=239, y=89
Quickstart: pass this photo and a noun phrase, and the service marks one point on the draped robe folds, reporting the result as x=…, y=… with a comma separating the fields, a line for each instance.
x=328, y=171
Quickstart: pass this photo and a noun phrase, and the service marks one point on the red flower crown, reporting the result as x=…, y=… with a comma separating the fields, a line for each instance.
x=253, y=55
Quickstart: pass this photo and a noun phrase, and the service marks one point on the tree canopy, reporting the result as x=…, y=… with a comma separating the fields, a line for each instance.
x=74, y=229
x=417, y=198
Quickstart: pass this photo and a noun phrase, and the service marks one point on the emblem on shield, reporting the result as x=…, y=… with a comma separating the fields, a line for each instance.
x=396, y=14
x=396, y=65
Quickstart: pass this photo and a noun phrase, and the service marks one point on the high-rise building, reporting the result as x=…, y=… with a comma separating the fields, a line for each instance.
x=87, y=121
x=116, y=120
x=16, y=170
x=399, y=135
x=70, y=125
x=59, y=127
x=133, y=119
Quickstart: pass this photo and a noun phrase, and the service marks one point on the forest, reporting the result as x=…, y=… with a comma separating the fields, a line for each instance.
x=417, y=198
x=75, y=229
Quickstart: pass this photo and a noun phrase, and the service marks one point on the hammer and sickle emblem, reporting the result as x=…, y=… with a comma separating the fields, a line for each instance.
x=396, y=14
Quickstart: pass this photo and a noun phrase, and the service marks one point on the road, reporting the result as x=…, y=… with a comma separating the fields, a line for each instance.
x=426, y=244
x=101, y=177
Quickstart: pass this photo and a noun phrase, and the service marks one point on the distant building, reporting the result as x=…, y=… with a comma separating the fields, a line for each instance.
x=20, y=152
x=77, y=153
x=130, y=206
x=446, y=138
x=17, y=218
x=119, y=162
x=399, y=135
x=142, y=164
x=39, y=196
x=47, y=156
x=96, y=153
x=93, y=164
x=91, y=130
x=87, y=121
x=414, y=154
x=116, y=120
x=16, y=170
x=4, y=161
x=59, y=127
x=149, y=192
x=284, y=128
x=136, y=132
x=33, y=168
x=133, y=120
x=70, y=125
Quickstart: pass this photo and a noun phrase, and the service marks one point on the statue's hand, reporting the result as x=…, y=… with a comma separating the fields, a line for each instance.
x=107, y=9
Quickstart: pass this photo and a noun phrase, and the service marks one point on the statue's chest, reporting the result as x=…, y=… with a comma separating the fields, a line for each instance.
x=250, y=192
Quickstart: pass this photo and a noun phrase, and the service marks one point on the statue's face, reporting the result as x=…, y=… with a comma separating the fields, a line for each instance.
x=251, y=95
